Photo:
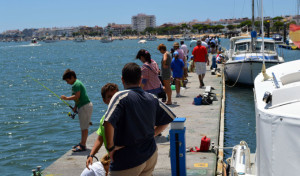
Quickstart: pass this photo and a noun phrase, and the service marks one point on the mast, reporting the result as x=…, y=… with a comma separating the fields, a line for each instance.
x=252, y=37
x=263, y=70
x=298, y=4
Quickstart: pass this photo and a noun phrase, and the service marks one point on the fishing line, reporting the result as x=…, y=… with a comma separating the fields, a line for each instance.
x=69, y=114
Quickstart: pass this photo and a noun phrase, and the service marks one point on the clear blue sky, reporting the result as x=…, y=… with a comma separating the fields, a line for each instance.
x=20, y=14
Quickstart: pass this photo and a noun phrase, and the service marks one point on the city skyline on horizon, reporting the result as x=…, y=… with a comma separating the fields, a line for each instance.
x=48, y=14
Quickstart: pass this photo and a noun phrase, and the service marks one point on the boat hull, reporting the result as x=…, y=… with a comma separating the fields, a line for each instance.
x=244, y=72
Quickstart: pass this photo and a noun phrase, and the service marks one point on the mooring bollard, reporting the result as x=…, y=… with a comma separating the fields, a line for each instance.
x=177, y=147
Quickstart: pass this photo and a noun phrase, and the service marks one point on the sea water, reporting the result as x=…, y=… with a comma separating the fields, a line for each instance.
x=35, y=127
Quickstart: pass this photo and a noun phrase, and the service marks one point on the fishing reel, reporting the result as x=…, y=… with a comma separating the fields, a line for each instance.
x=72, y=115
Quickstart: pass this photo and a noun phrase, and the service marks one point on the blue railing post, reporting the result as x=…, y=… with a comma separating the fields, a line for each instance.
x=177, y=147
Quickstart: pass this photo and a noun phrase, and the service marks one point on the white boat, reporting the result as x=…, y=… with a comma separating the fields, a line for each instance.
x=244, y=64
x=49, y=40
x=142, y=41
x=277, y=102
x=245, y=56
x=79, y=39
x=151, y=38
x=106, y=39
x=34, y=42
x=240, y=161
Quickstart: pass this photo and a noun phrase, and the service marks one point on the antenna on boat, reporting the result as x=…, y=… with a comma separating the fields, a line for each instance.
x=263, y=69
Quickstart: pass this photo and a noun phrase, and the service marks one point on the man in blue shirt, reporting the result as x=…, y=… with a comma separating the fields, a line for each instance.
x=132, y=120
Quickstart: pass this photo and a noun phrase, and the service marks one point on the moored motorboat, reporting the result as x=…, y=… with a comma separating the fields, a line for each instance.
x=244, y=64
x=277, y=102
x=142, y=41
x=106, y=39
x=79, y=39
x=49, y=40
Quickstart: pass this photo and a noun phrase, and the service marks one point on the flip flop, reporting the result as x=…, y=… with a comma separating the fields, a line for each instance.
x=79, y=148
x=169, y=103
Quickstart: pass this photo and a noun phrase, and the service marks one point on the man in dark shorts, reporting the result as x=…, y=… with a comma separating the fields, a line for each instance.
x=134, y=117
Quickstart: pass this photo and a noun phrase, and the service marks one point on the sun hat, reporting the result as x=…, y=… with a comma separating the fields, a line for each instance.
x=176, y=44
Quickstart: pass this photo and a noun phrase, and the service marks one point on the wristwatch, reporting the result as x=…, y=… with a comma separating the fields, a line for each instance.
x=111, y=149
x=93, y=156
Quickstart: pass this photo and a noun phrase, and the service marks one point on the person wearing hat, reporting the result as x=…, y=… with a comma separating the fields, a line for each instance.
x=177, y=66
x=180, y=55
x=200, y=60
x=220, y=59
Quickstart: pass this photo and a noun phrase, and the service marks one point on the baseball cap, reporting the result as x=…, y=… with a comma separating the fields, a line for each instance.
x=176, y=53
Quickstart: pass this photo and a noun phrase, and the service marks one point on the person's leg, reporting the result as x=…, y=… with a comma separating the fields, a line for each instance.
x=84, y=135
x=203, y=79
x=177, y=85
x=200, y=80
x=150, y=165
x=84, y=115
x=144, y=169
x=136, y=171
x=168, y=91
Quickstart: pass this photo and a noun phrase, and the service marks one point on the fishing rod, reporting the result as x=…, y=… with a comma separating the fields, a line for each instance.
x=72, y=115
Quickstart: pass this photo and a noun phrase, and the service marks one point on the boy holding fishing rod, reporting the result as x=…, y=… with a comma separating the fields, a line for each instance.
x=84, y=105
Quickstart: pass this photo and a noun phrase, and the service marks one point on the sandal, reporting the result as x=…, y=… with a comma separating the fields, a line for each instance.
x=75, y=146
x=79, y=148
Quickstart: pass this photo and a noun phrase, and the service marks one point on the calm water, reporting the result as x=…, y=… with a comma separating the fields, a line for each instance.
x=35, y=128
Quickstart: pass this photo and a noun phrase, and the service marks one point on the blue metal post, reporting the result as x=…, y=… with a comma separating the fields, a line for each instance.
x=177, y=147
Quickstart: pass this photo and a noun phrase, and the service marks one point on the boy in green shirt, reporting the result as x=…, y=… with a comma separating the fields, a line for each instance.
x=107, y=93
x=82, y=102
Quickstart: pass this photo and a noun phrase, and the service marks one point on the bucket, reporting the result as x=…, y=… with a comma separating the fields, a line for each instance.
x=197, y=100
x=173, y=87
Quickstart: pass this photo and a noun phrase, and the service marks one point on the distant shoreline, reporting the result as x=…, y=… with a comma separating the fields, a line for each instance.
x=144, y=37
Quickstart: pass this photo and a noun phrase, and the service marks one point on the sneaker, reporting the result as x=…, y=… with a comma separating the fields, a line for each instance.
x=178, y=95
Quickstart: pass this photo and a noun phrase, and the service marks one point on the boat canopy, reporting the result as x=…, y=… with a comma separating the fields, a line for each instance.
x=278, y=121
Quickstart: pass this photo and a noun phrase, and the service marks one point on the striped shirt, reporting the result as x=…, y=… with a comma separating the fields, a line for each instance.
x=133, y=113
x=150, y=77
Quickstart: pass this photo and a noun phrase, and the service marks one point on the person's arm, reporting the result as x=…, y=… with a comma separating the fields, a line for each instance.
x=73, y=97
x=165, y=61
x=160, y=129
x=97, y=145
x=206, y=59
x=109, y=135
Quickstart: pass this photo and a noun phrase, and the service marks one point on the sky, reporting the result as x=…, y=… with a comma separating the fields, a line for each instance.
x=21, y=14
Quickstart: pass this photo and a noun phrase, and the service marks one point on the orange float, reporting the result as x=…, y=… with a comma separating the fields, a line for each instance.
x=295, y=34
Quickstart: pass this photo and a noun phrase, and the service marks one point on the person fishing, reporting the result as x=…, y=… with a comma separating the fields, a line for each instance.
x=84, y=105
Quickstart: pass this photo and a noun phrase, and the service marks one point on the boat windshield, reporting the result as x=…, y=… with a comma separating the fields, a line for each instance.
x=268, y=46
x=241, y=47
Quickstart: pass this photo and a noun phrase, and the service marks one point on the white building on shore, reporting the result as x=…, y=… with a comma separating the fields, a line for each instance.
x=141, y=21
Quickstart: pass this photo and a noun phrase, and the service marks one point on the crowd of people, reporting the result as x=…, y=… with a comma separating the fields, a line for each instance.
x=136, y=115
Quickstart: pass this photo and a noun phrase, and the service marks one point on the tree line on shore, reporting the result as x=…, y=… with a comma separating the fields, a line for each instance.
x=276, y=25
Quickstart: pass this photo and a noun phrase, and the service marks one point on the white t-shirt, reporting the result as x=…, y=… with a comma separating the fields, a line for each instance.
x=204, y=44
x=96, y=169
x=193, y=43
x=185, y=49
